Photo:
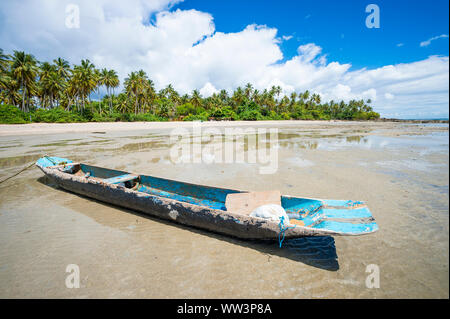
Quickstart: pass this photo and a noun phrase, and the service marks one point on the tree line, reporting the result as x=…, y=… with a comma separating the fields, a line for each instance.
x=58, y=92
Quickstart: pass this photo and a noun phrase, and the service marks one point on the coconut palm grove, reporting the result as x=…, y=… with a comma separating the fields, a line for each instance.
x=34, y=91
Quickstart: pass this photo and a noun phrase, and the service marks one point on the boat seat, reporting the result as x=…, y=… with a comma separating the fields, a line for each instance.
x=120, y=179
x=246, y=202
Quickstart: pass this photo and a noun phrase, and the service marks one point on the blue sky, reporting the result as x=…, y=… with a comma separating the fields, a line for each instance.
x=339, y=26
x=320, y=46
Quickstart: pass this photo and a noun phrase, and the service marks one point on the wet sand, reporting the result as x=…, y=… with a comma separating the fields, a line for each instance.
x=400, y=170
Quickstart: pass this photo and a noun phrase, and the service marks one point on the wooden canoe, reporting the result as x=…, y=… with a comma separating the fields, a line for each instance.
x=204, y=206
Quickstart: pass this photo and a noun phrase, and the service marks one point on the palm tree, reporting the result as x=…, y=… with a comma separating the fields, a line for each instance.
x=223, y=96
x=109, y=79
x=8, y=86
x=164, y=93
x=71, y=91
x=305, y=95
x=268, y=99
x=122, y=103
x=316, y=98
x=4, y=61
x=213, y=101
x=9, y=90
x=196, y=99
x=276, y=90
x=113, y=82
x=131, y=89
x=135, y=85
x=256, y=97
x=142, y=92
x=84, y=80
x=284, y=103
x=171, y=94
x=45, y=72
x=143, y=83
x=24, y=69
x=293, y=97
x=184, y=99
x=248, y=90
x=62, y=68
x=150, y=94
x=102, y=81
x=292, y=101
x=238, y=97
x=55, y=85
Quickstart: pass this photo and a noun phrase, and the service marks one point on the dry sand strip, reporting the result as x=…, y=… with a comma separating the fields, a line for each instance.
x=388, y=128
x=53, y=128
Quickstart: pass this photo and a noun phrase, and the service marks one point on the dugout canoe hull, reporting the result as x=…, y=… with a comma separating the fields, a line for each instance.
x=203, y=206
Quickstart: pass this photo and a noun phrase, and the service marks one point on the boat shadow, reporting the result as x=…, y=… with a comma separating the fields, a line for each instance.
x=319, y=252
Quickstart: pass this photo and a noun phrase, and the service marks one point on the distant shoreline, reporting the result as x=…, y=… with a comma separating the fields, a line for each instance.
x=102, y=127
x=411, y=120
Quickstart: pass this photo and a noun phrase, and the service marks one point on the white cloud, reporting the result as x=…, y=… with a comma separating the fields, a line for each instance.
x=183, y=47
x=287, y=37
x=207, y=90
x=309, y=52
x=388, y=96
x=428, y=42
x=400, y=44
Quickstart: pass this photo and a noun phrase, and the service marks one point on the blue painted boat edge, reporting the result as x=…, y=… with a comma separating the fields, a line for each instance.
x=362, y=212
x=48, y=161
x=343, y=228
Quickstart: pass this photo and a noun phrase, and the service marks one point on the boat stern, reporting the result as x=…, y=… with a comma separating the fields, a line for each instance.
x=334, y=217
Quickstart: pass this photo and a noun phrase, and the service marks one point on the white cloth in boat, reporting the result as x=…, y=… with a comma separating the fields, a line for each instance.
x=266, y=204
x=271, y=212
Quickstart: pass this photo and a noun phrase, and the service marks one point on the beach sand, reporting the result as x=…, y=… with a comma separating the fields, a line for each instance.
x=58, y=128
x=399, y=169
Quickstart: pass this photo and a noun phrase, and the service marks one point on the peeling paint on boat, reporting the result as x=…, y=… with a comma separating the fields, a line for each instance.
x=173, y=213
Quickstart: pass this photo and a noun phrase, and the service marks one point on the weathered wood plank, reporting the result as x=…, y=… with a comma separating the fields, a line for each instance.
x=245, y=203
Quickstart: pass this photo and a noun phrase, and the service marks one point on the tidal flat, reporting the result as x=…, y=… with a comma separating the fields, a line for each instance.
x=400, y=170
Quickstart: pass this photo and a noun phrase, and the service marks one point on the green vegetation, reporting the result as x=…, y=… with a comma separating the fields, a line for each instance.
x=32, y=91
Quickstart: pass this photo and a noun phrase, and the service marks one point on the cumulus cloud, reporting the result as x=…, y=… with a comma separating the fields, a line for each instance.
x=183, y=47
x=207, y=90
x=428, y=42
x=389, y=96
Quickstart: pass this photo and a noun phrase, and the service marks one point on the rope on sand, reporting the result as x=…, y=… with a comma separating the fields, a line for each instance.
x=282, y=231
x=25, y=168
x=22, y=170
